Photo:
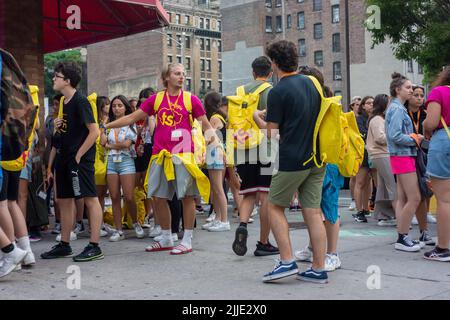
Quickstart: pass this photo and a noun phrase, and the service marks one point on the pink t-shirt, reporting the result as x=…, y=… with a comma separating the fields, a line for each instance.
x=173, y=127
x=441, y=95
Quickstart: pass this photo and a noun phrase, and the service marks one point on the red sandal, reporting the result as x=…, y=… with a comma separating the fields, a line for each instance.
x=156, y=246
x=180, y=249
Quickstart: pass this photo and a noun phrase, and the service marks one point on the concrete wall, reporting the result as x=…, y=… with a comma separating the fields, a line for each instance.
x=374, y=75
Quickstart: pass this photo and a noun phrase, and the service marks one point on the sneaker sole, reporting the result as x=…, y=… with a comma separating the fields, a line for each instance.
x=261, y=253
x=307, y=279
x=438, y=259
x=278, y=277
x=58, y=257
x=404, y=248
x=240, y=241
x=99, y=257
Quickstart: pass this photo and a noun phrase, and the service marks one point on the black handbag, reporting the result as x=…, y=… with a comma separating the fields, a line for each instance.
x=421, y=169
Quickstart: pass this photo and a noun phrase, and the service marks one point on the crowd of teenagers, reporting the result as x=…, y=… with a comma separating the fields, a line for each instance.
x=149, y=144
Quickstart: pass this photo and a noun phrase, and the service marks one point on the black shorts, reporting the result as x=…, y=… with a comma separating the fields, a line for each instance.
x=254, y=178
x=141, y=163
x=10, y=185
x=75, y=180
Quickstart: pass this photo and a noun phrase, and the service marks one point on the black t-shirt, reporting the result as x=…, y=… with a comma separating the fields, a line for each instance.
x=294, y=104
x=77, y=113
x=417, y=119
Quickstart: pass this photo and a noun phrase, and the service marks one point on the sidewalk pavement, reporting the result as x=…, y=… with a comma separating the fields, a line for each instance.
x=214, y=272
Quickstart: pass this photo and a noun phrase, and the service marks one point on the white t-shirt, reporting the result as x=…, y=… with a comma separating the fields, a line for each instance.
x=120, y=135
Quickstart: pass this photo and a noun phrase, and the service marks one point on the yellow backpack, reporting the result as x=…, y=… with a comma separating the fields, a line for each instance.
x=197, y=133
x=340, y=141
x=19, y=163
x=246, y=134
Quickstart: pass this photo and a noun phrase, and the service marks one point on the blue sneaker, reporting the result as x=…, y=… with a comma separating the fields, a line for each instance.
x=281, y=271
x=313, y=276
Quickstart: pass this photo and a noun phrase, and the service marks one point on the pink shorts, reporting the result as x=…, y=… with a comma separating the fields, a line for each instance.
x=403, y=165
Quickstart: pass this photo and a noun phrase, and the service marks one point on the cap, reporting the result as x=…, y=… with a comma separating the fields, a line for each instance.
x=356, y=98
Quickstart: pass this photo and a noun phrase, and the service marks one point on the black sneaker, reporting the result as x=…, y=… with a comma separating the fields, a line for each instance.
x=265, y=249
x=367, y=213
x=361, y=217
x=404, y=243
x=240, y=241
x=438, y=254
x=58, y=251
x=425, y=237
x=90, y=253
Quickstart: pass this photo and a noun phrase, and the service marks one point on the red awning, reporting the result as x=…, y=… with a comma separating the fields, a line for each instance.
x=100, y=20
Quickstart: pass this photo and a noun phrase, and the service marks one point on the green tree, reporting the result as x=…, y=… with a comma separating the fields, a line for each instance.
x=50, y=61
x=418, y=29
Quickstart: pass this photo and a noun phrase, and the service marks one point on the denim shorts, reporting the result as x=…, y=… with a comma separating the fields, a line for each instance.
x=27, y=171
x=214, y=159
x=126, y=166
x=438, y=165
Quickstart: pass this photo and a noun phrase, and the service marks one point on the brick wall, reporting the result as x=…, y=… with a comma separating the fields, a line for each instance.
x=357, y=32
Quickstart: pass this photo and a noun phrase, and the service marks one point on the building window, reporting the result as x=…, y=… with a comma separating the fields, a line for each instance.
x=302, y=47
x=301, y=20
x=188, y=63
x=419, y=69
x=202, y=23
x=209, y=84
x=202, y=64
x=220, y=66
x=208, y=65
x=179, y=41
x=169, y=39
x=318, y=31
x=170, y=59
x=219, y=25
x=179, y=59
x=268, y=3
x=410, y=66
x=288, y=21
x=187, y=20
x=337, y=71
x=335, y=14
x=336, y=42
x=187, y=40
x=208, y=44
x=202, y=44
x=208, y=24
x=203, y=82
x=177, y=19
x=337, y=93
x=317, y=5
x=268, y=24
x=278, y=3
x=279, y=23
x=300, y=1
x=219, y=45
x=188, y=85
x=318, y=58
x=220, y=87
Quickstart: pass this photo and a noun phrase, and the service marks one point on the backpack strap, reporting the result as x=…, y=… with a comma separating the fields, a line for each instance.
x=218, y=116
x=158, y=101
x=61, y=107
x=262, y=88
x=317, y=85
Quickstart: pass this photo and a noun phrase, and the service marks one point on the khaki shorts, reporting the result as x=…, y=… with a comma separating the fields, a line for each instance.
x=308, y=183
x=184, y=184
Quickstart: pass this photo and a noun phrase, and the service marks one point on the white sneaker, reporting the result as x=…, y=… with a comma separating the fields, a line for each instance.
x=155, y=231
x=304, y=255
x=103, y=233
x=29, y=259
x=117, y=236
x=251, y=220
x=431, y=218
x=255, y=211
x=220, y=226
x=414, y=221
x=352, y=206
x=387, y=223
x=139, y=231
x=11, y=260
x=332, y=262
x=57, y=228
x=160, y=237
x=73, y=237
x=109, y=229
x=212, y=217
x=79, y=228
x=209, y=224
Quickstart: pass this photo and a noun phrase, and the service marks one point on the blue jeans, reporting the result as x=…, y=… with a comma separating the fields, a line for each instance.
x=438, y=165
x=126, y=166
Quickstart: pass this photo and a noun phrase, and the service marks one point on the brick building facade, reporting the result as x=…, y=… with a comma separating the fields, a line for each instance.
x=127, y=65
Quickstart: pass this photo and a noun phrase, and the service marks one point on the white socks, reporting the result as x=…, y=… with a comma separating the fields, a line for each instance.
x=166, y=237
x=24, y=243
x=187, y=238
